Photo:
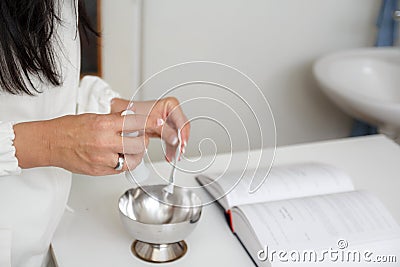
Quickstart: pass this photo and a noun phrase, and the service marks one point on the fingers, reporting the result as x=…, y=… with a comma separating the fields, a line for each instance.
x=169, y=135
x=155, y=127
x=130, y=162
x=133, y=151
x=179, y=120
x=136, y=122
x=170, y=152
x=134, y=145
x=185, y=132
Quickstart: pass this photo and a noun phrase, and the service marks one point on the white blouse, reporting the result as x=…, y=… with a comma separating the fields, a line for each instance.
x=32, y=201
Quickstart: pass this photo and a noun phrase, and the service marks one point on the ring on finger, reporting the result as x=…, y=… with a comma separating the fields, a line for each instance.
x=120, y=164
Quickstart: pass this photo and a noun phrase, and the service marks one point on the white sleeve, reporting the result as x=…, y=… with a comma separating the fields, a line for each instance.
x=94, y=96
x=8, y=161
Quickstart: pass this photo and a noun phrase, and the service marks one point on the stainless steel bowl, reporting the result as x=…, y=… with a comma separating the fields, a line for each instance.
x=159, y=221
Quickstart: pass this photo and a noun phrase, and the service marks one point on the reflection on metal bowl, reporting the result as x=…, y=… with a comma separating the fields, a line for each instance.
x=159, y=221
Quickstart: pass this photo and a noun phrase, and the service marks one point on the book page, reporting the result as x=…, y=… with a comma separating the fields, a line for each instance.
x=357, y=217
x=283, y=182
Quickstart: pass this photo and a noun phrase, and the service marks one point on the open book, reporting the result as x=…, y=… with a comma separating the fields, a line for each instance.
x=303, y=207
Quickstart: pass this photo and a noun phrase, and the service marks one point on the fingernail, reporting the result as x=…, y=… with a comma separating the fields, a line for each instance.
x=130, y=105
x=160, y=122
x=174, y=141
x=127, y=112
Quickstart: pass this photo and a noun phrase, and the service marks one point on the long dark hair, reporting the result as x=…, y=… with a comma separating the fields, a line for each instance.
x=27, y=44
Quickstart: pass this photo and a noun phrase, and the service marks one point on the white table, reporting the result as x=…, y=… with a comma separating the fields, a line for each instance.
x=94, y=236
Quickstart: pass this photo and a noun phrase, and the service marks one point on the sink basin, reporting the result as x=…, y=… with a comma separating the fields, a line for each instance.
x=365, y=83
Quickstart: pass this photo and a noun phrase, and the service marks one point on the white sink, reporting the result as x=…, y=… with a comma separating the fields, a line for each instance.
x=365, y=83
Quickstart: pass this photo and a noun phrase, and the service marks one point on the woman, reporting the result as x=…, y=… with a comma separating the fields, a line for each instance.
x=44, y=133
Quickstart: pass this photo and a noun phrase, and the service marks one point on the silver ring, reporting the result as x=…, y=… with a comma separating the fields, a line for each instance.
x=120, y=164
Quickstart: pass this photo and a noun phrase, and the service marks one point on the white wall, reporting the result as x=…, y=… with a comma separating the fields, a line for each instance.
x=273, y=41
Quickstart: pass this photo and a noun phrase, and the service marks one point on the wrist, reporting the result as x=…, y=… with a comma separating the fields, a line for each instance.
x=118, y=104
x=50, y=136
x=32, y=144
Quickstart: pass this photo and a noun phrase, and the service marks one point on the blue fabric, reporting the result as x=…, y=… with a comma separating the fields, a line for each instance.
x=387, y=35
x=387, y=26
x=361, y=128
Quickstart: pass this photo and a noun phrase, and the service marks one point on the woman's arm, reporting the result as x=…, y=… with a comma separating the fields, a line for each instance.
x=32, y=144
x=87, y=144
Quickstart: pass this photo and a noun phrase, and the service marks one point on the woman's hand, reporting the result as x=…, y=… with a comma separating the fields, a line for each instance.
x=87, y=144
x=170, y=111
